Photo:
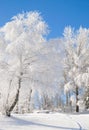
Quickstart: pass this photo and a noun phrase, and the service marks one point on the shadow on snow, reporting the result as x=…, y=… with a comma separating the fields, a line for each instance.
x=23, y=122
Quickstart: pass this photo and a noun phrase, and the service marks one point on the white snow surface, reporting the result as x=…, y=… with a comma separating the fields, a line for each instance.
x=42, y=121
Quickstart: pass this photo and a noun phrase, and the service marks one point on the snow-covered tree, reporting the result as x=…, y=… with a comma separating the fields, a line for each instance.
x=23, y=54
x=76, y=58
x=29, y=63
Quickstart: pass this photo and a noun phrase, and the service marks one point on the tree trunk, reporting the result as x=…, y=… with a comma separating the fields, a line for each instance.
x=29, y=99
x=9, y=110
x=86, y=98
x=77, y=94
x=67, y=99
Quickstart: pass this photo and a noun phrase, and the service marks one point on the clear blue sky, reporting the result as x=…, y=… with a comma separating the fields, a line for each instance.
x=57, y=13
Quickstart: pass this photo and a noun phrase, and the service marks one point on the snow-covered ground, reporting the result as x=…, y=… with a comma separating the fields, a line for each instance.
x=42, y=121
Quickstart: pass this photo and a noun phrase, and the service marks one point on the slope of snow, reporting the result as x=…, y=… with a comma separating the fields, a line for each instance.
x=57, y=121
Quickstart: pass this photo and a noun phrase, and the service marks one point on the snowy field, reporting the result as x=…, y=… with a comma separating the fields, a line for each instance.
x=42, y=121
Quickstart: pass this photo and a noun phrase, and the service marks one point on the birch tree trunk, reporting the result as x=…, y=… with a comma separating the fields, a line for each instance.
x=77, y=94
x=29, y=99
x=10, y=109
